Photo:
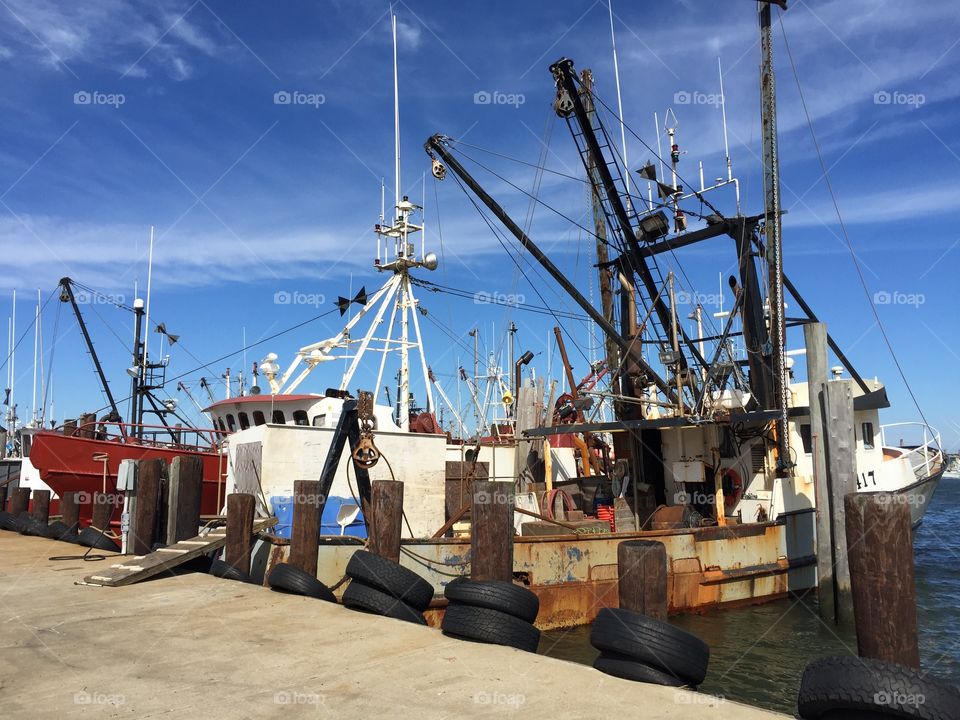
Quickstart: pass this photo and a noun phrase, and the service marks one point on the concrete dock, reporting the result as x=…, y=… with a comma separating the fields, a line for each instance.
x=198, y=646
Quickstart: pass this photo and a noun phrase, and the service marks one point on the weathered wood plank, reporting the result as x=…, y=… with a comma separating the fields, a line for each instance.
x=164, y=559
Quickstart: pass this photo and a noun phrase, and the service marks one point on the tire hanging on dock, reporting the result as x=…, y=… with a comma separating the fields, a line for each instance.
x=390, y=578
x=501, y=595
x=7, y=521
x=627, y=668
x=651, y=642
x=467, y=622
x=359, y=596
x=290, y=579
x=221, y=569
x=92, y=538
x=837, y=687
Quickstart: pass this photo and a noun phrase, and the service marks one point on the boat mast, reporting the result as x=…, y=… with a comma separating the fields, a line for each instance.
x=36, y=350
x=12, y=426
x=772, y=229
x=600, y=230
x=66, y=295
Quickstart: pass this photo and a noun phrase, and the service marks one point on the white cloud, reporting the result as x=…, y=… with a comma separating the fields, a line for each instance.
x=879, y=207
x=408, y=34
x=110, y=33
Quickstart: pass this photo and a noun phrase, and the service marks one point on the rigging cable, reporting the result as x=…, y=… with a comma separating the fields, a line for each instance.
x=843, y=229
x=503, y=244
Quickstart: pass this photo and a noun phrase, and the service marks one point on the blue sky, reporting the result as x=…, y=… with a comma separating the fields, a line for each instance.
x=121, y=115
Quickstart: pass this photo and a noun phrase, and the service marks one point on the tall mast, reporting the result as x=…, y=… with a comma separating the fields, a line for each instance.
x=771, y=187
x=623, y=131
x=396, y=112
x=36, y=350
x=600, y=229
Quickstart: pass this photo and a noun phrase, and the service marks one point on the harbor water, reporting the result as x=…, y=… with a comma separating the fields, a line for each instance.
x=758, y=653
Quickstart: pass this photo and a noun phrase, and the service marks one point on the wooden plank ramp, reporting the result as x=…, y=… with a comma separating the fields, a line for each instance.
x=140, y=567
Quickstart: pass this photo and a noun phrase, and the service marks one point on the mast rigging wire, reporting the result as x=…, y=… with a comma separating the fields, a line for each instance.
x=843, y=229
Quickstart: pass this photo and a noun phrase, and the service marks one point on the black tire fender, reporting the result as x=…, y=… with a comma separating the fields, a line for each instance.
x=92, y=538
x=58, y=529
x=221, y=569
x=627, y=668
x=489, y=626
x=7, y=521
x=496, y=595
x=359, y=596
x=841, y=686
x=391, y=578
x=652, y=642
x=290, y=579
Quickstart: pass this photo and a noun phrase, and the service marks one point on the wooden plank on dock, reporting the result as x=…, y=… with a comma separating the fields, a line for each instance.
x=141, y=567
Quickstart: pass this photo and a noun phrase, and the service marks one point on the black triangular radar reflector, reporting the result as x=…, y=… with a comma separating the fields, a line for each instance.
x=361, y=297
x=648, y=172
x=342, y=303
x=664, y=190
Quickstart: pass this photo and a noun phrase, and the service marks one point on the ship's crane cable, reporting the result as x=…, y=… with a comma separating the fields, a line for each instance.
x=656, y=203
x=468, y=295
x=620, y=250
x=696, y=193
x=496, y=234
x=843, y=229
x=238, y=352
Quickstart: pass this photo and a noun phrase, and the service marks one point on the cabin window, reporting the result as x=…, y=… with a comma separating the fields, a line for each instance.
x=244, y=421
x=278, y=418
x=320, y=420
x=231, y=423
x=806, y=438
x=866, y=432
x=223, y=428
x=258, y=418
x=300, y=417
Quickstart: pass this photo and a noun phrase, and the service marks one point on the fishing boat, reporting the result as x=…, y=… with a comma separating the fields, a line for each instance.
x=712, y=454
x=84, y=455
x=952, y=471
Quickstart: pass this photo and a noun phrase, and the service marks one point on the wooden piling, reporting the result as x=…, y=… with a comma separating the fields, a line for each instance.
x=70, y=510
x=491, y=537
x=143, y=528
x=41, y=506
x=880, y=547
x=387, y=518
x=184, y=489
x=815, y=338
x=240, y=508
x=102, y=510
x=642, y=577
x=305, y=533
x=19, y=501
x=842, y=472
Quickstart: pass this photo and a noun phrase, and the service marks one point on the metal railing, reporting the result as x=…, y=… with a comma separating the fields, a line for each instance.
x=160, y=436
x=925, y=455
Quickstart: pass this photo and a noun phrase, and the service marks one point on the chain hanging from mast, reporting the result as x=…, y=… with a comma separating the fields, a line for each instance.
x=772, y=229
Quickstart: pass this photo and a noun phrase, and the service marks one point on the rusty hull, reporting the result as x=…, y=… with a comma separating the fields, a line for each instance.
x=576, y=575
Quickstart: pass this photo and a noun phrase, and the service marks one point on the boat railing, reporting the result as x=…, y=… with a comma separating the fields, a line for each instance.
x=924, y=456
x=161, y=436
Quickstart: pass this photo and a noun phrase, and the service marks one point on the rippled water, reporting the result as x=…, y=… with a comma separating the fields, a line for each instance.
x=758, y=654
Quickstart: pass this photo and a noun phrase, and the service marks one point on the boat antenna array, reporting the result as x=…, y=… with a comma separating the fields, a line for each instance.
x=396, y=254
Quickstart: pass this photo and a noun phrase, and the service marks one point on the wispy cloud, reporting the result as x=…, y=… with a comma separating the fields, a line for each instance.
x=108, y=34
